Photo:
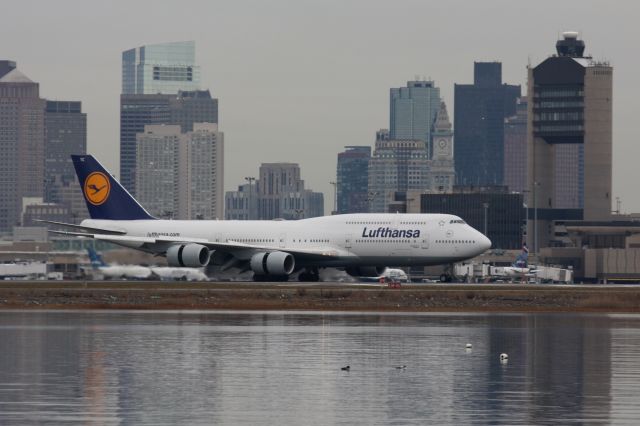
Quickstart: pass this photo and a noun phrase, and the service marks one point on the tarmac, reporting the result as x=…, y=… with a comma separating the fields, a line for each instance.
x=324, y=296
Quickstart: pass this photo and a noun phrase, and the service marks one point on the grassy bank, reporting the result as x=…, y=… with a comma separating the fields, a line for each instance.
x=323, y=296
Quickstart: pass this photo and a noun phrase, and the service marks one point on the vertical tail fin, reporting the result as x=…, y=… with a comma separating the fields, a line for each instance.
x=523, y=257
x=95, y=258
x=106, y=198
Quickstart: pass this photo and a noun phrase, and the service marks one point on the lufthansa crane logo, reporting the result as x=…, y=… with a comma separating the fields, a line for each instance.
x=97, y=188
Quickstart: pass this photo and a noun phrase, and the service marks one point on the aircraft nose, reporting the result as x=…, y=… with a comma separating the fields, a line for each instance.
x=484, y=243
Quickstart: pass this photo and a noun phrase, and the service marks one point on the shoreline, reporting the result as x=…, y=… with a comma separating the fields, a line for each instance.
x=151, y=295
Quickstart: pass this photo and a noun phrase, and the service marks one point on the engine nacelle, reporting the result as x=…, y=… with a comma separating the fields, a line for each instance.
x=273, y=263
x=366, y=271
x=189, y=255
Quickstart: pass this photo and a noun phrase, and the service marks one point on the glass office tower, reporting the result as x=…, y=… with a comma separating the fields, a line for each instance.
x=413, y=111
x=165, y=68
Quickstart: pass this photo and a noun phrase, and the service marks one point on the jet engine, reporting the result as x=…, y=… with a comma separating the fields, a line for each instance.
x=190, y=255
x=273, y=263
x=366, y=271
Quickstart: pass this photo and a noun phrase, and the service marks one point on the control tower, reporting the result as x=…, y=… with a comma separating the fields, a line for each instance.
x=569, y=141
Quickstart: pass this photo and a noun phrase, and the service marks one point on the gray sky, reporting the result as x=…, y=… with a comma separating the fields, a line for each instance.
x=297, y=80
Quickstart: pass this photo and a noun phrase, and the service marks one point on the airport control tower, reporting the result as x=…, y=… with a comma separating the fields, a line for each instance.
x=569, y=142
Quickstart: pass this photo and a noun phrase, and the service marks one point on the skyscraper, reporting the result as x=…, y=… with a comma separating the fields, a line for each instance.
x=137, y=111
x=569, y=138
x=480, y=110
x=282, y=194
x=353, y=179
x=180, y=174
x=160, y=68
x=160, y=85
x=66, y=134
x=201, y=173
x=413, y=111
x=279, y=193
x=156, y=170
x=22, y=144
x=396, y=166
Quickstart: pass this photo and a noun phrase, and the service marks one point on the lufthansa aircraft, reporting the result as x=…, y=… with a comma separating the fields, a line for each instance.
x=362, y=244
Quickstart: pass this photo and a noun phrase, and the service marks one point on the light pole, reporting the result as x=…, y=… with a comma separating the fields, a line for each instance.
x=335, y=197
x=250, y=179
x=486, y=209
x=409, y=205
x=371, y=195
x=535, y=220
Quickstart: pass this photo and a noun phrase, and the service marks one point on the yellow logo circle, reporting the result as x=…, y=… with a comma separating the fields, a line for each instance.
x=97, y=188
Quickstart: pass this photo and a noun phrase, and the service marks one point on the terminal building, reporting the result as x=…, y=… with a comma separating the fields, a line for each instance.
x=494, y=211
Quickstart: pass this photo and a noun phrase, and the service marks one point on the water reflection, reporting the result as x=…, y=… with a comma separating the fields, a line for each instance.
x=284, y=368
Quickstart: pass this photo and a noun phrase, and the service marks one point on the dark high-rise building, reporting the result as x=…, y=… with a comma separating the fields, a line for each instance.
x=65, y=134
x=569, y=139
x=137, y=111
x=515, y=148
x=480, y=110
x=353, y=179
x=21, y=143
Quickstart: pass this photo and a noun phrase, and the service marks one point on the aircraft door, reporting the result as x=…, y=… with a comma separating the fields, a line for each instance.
x=282, y=240
x=425, y=241
x=347, y=240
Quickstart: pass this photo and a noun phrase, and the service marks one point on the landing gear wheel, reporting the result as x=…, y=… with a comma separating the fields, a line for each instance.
x=270, y=278
x=446, y=278
x=309, y=276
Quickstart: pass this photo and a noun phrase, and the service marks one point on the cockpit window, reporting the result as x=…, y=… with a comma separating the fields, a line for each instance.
x=457, y=221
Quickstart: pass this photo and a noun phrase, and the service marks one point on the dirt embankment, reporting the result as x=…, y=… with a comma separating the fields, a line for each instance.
x=325, y=296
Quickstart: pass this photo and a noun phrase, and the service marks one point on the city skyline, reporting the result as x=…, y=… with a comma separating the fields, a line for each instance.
x=291, y=91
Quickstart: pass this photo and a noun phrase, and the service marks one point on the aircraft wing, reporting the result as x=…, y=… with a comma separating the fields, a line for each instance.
x=83, y=228
x=240, y=250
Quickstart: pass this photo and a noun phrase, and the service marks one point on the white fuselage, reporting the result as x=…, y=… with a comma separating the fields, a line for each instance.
x=353, y=239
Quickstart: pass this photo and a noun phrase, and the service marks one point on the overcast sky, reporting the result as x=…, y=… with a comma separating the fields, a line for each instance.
x=298, y=80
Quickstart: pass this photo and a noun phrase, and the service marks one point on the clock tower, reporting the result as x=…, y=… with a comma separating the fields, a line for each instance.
x=442, y=166
x=442, y=136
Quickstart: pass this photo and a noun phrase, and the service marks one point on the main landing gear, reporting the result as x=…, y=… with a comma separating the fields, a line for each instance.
x=447, y=275
x=270, y=278
x=309, y=275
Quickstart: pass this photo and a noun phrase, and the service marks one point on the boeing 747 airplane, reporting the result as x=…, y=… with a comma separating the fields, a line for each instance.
x=362, y=244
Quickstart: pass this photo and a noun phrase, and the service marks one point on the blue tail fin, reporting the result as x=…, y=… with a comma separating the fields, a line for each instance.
x=95, y=258
x=105, y=197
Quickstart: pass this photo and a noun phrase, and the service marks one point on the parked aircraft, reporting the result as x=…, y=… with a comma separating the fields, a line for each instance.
x=520, y=268
x=117, y=271
x=143, y=272
x=362, y=244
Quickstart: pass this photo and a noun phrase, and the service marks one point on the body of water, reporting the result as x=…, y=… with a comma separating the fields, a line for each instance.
x=284, y=368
